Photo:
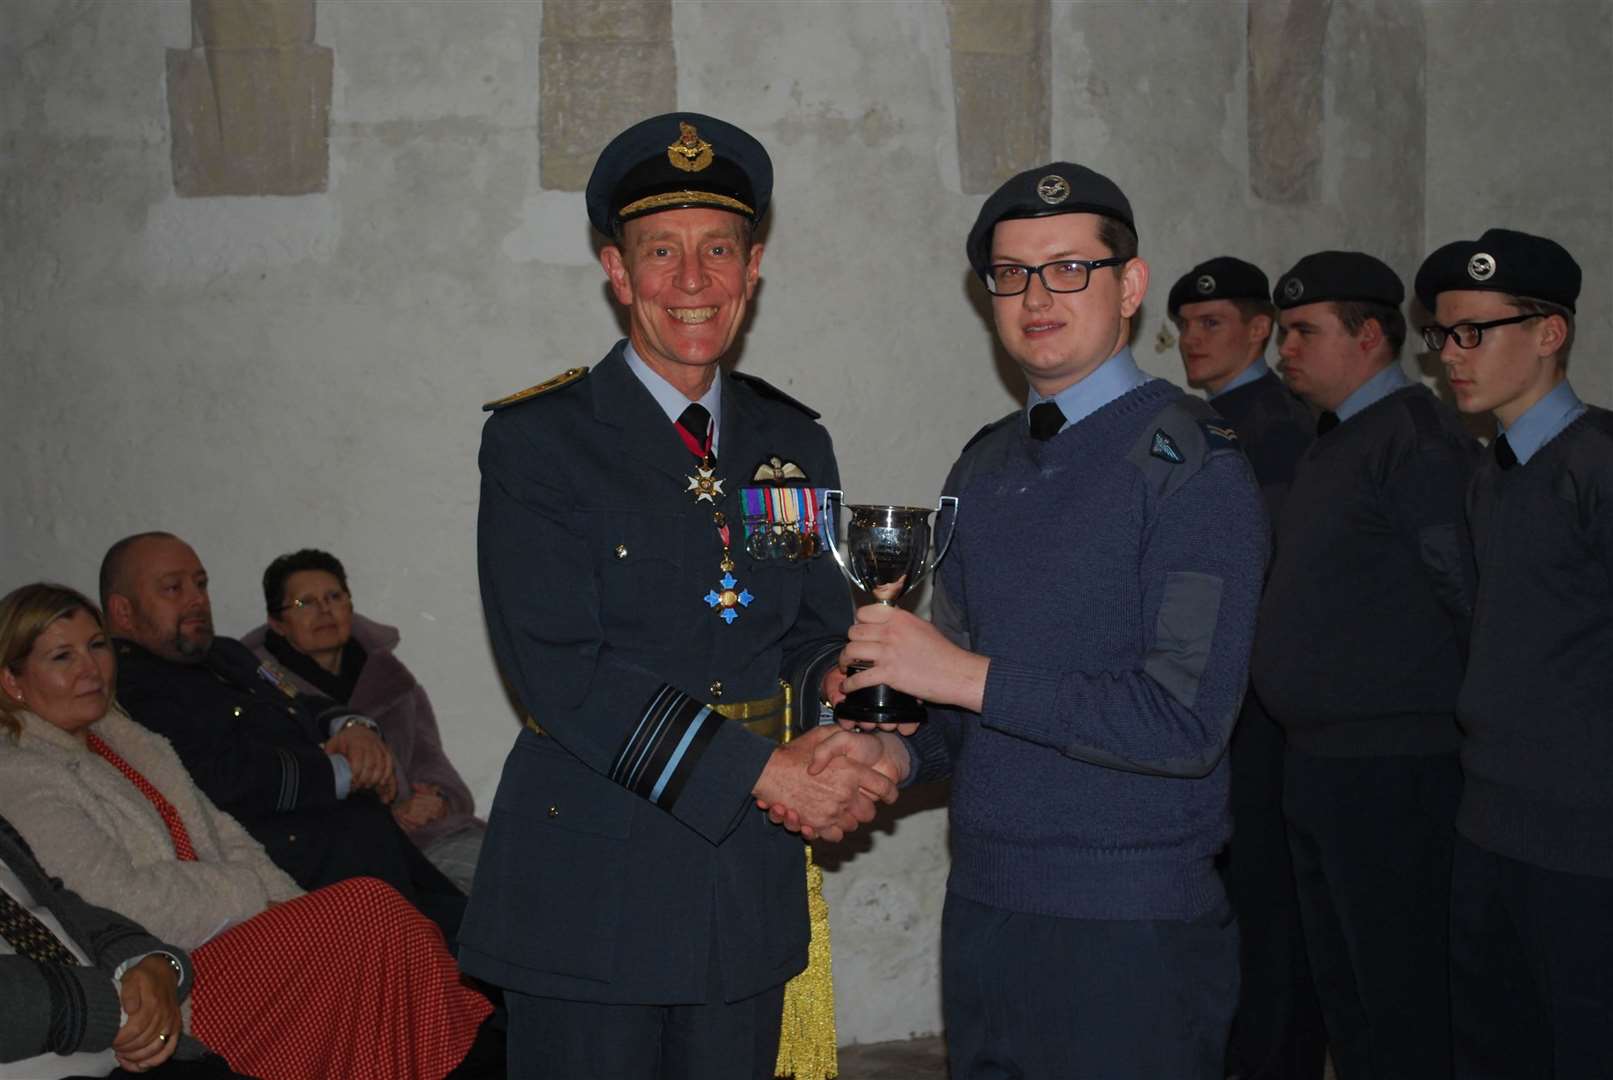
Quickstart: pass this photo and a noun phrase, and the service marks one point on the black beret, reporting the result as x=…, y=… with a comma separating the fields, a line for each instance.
x=676, y=161
x=1220, y=278
x=1502, y=261
x=1343, y=276
x=1059, y=188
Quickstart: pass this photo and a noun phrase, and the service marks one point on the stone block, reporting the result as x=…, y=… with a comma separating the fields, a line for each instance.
x=1286, y=68
x=1003, y=100
x=997, y=26
x=608, y=20
x=588, y=92
x=250, y=122
x=251, y=24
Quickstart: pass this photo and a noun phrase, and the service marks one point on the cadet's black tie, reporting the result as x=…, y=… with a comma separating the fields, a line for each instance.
x=29, y=936
x=1504, y=456
x=696, y=430
x=1326, y=423
x=1047, y=420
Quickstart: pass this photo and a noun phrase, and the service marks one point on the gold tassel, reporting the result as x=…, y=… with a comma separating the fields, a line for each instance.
x=806, y=1046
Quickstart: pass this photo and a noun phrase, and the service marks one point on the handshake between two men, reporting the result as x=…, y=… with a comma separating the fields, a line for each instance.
x=829, y=781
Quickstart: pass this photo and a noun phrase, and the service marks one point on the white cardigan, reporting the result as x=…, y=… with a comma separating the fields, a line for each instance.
x=90, y=826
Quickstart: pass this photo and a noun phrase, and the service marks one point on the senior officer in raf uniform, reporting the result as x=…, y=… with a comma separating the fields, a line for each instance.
x=1222, y=308
x=1532, y=888
x=650, y=573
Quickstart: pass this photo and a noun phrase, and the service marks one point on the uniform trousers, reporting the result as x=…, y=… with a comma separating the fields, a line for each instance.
x=1372, y=839
x=554, y=1039
x=1531, y=970
x=1278, y=1033
x=1036, y=997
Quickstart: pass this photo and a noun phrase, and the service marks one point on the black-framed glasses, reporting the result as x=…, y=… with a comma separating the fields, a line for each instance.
x=1060, y=275
x=335, y=599
x=1467, y=334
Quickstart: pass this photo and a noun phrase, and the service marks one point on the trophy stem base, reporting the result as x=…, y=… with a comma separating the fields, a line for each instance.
x=880, y=705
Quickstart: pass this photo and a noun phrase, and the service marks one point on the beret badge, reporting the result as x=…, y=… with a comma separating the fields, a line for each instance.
x=1481, y=267
x=690, y=153
x=1294, y=289
x=1205, y=284
x=1053, y=189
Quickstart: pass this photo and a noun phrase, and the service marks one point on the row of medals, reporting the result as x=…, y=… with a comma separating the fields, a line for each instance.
x=779, y=541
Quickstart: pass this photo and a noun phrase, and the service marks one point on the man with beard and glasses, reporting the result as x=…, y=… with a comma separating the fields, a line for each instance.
x=308, y=778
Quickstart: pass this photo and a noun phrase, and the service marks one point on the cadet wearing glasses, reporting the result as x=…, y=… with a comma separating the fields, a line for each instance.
x=1532, y=890
x=1090, y=646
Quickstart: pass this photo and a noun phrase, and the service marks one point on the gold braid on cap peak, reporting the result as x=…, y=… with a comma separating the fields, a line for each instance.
x=685, y=198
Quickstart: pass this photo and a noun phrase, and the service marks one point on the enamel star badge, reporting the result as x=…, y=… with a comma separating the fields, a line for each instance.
x=728, y=600
x=705, y=484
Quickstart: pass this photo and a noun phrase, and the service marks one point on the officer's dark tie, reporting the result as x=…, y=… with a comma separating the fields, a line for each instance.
x=695, y=428
x=29, y=936
x=1326, y=423
x=1047, y=420
x=1504, y=456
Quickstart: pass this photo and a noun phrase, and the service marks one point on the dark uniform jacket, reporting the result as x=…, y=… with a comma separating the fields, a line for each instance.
x=255, y=749
x=625, y=860
x=62, y=1009
x=1275, y=428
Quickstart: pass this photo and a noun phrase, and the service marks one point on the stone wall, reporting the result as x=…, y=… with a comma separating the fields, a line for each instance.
x=260, y=373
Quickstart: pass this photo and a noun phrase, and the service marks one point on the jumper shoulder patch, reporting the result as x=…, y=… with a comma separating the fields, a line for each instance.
x=1164, y=447
x=768, y=390
x=565, y=378
x=1219, y=435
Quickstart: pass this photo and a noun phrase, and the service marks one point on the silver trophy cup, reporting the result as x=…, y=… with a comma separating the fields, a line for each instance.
x=886, y=553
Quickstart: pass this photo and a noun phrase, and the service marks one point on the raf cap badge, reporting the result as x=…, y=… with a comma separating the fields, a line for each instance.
x=1205, y=284
x=1294, y=289
x=1481, y=267
x=690, y=153
x=1053, y=189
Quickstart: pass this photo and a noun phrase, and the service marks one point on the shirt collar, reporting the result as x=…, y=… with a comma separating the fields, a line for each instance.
x=1115, y=376
x=1256, y=370
x=1544, y=421
x=1373, y=391
x=671, y=399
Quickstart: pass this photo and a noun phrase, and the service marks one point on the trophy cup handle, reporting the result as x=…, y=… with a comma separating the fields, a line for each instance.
x=948, y=503
x=831, y=529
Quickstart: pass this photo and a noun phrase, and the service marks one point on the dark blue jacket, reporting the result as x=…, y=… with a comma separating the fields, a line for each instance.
x=625, y=860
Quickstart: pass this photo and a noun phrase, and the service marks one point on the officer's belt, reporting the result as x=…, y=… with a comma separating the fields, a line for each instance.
x=769, y=716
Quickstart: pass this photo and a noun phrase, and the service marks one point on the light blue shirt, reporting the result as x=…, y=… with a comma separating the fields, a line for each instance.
x=1544, y=421
x=1115, y=376
x=1373, y=391
x=671, y=399
x=1256, y=370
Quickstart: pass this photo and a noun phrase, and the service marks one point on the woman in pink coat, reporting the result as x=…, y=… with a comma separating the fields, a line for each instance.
x=327, y=648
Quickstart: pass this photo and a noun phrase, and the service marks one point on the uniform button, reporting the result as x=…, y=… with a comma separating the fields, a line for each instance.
x=716, y=688
x=621, y=551
x=236, y=711
x=554, y=811
x=291, y=710
x=292, y=838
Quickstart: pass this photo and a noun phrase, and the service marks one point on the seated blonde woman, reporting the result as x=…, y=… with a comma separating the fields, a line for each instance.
x=328, y=649
x=348, y=981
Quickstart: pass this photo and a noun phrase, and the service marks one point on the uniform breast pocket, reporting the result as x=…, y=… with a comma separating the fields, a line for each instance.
x=776, y=584
x=640, y=564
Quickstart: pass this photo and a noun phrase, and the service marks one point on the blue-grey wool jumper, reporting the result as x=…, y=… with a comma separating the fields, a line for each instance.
x=1112, y=575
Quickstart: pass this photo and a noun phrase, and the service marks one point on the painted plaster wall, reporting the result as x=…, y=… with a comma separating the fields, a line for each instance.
x=259, y=374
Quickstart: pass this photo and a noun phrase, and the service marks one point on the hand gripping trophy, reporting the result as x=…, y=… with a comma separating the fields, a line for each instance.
x=886, y=554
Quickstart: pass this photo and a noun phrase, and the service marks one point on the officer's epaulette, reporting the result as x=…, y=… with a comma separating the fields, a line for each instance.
x=768, y=390
x=565, y=378
x=987, y=430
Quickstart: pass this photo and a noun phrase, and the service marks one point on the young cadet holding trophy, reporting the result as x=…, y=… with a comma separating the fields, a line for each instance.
x=1093, y=620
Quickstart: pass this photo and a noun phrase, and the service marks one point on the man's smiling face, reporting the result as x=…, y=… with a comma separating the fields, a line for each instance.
x=686, y=277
